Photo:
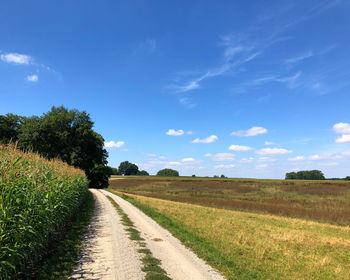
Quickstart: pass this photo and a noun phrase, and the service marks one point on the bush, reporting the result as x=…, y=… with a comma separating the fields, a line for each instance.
x=142, y=173
x=167, y=172
x=37, y=197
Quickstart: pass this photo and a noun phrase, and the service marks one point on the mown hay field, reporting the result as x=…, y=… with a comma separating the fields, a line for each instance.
x=324, y=201
x=37, y=198
x=246, y=245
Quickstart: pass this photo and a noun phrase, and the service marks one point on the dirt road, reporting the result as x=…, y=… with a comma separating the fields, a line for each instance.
x=109, y=254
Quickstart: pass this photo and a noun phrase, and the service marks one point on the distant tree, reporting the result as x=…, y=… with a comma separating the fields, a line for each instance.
x=347, y=178
x=142, y=173
x=223, y=176
x=306, y=175
x=10, y=126
x=215, y=176
x=193, y=175
x=115, y=171
x=167, y=172
x=291, y=175
x=127, y=168
x=68, y=135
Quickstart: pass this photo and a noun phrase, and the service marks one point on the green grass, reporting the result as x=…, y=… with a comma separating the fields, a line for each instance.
x=60, y=264
x=245, y=245
x=151, y=265
x=200, y=246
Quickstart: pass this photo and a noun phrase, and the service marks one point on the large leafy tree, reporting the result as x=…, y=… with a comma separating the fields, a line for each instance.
x=167, y=172
x=10, y=125
x=68, y=135
x=128, y=168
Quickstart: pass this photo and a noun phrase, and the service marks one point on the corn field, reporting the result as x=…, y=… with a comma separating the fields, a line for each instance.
x=37, y=197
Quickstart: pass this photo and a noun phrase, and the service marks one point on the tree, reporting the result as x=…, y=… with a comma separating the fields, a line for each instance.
x=193, y=175
x=142, y=173
x=115, y=171
x=306, y=175
x=167, y=172
x=347, y=178
x=10, y=126
x=68, y=135
x=223, y=176
x=128, y=168
x=291, y=176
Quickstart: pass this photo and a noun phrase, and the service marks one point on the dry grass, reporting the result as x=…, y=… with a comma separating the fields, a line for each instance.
x=327, y=201
x=275, y=247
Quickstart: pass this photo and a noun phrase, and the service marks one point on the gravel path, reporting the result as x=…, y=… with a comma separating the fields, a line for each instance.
x=179, y=262
x=107, y=251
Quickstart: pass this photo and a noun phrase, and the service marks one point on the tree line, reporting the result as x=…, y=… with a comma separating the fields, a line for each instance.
x=61, y=133
x=305, y=175
x=127, y=168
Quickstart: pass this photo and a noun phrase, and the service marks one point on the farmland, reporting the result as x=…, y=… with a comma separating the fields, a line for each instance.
x=325, y=201
x=253, y=229
x=37, y=198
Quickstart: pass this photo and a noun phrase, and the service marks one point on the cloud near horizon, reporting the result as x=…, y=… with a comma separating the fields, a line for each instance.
x=239, y=148
x=273, y=151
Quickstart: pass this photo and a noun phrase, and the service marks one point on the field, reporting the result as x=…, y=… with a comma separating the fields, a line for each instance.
x=325, y=201
x=249, y=230
x=37, y=199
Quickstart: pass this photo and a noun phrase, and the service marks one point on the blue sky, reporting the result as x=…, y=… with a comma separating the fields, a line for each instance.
x=241, y=88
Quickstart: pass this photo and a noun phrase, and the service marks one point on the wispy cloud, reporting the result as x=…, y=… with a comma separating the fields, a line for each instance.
x=273, y=151
x=149, y=45
x=187, y=102
x=32, y=78
x=255, y=130
x=300, y=57
x=221, y=156
x=224, y=166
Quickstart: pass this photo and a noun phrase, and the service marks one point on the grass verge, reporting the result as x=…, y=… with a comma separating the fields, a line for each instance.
x=61, y=262
x=254, y=246
x=151, y=265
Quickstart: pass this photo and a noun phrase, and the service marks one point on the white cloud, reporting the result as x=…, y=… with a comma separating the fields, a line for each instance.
x=261, y=166
x=208, y=155
x=324, y=156
x=190, y=132
x=267, y=159
x=188, y=160
x=16, y=58
x=112, y=144
x=328, y=164
x=174, y=132
x=300, y=57
x=255, y=130
x=343, y=128
x=32, y=78
x=297, y=158
x=174, y=163
x=239, y=148
x=346, y=154
x=273, y=151
x=187, y=102
x=247, y=160
x=345, y=138
x=222, y=157
x=209, y=139
x=150, y=154
x=224, y=166
x=267, y=143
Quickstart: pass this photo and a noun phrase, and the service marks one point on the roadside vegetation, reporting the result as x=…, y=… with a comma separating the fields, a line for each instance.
x=254, y=246
x=323, y=201
x=37, y=199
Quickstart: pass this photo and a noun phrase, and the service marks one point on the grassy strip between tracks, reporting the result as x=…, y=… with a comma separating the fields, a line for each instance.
x=151, y=265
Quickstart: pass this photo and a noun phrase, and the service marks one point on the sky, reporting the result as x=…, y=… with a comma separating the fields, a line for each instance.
x=249, y=89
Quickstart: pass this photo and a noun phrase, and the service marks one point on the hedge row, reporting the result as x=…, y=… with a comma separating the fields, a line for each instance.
x=37, y=197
